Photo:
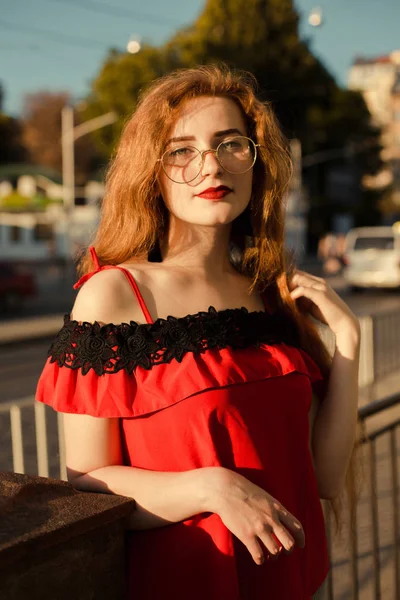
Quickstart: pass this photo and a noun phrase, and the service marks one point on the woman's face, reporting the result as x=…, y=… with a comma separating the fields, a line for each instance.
x=204, y=123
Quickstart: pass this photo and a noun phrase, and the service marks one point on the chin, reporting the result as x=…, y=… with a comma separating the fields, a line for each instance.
x=216, y=214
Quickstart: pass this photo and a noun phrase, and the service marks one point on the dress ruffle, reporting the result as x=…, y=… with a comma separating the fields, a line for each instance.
x=143, y=392
x=110, y=348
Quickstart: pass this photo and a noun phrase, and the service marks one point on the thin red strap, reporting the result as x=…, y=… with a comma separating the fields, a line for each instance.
x=138, y=294
x=127, y=274
x=95, y=258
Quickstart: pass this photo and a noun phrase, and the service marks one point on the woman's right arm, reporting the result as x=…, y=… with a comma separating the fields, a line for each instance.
x=95, y=464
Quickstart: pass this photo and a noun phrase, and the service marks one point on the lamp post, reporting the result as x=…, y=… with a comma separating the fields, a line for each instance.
x=315, y=17
x=69, y=134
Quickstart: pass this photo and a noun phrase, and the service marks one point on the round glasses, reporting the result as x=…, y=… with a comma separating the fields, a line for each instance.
x=235, y=155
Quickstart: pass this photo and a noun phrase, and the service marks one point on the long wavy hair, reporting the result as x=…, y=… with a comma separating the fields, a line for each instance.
x=134, y=216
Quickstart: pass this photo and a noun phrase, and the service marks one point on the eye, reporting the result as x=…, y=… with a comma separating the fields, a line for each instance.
x=185, y=151
x=232, y=145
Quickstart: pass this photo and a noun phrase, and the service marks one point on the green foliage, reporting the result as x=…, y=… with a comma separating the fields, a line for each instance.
x=260, y=36
x=117, y=88
x=256, y=35
x=18, y=202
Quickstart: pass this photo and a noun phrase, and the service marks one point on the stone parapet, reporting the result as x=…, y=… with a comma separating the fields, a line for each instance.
x=60, y=543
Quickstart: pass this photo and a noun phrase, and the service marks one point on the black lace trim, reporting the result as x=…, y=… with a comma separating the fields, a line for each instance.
x=110, y=348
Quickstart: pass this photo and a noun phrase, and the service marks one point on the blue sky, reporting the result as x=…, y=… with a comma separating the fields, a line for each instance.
x=33, y=60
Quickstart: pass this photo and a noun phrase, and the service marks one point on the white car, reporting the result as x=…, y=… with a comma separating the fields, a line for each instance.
x=372, y=257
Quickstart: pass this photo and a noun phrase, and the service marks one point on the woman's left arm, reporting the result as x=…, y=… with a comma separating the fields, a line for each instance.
x=335, y=424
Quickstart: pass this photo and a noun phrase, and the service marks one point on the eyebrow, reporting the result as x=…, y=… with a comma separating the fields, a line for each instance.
x=217, y=134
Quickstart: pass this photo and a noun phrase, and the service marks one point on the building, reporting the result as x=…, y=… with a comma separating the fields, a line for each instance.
x=395, y=137
x=34, y=225
x=378, y=79
x=32, y=236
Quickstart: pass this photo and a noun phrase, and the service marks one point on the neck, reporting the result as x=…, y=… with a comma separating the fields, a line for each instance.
x=202, y=249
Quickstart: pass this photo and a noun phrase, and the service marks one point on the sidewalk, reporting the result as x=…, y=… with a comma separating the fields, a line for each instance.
x=30, y=328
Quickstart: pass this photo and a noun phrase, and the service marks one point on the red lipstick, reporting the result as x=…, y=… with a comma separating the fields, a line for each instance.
x=215, y=193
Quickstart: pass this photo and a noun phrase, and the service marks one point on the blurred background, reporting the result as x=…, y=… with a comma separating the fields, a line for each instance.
x=71, y=72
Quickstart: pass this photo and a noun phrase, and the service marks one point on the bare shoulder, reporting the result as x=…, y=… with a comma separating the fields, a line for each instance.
x=106, y=297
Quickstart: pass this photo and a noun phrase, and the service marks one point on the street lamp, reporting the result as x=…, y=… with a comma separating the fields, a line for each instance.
x=134, y=44
x=315, y=18
x=69, y=134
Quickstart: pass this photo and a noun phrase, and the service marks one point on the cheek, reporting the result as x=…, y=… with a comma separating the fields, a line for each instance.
x=172, y=193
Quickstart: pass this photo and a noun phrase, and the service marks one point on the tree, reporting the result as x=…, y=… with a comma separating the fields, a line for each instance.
x=42, y=134
x=260, y=36
x=117, y=88
x=11, y=147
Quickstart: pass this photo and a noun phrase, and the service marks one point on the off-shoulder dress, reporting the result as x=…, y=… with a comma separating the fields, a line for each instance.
x=230, y=388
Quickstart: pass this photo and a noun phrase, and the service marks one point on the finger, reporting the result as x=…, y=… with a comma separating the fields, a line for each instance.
x=271, y=543
x=309, y=275
x=291, y=523
x=284, y=538
x=309, y=281
x=308, y=292
x=255, y=549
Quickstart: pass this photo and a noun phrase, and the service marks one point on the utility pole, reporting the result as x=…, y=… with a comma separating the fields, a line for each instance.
x=68, y=158
x=69, y=134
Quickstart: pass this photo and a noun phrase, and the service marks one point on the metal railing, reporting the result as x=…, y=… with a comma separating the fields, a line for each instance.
x=380, y=347
x=48, y=463
x=382, y=578
x=386, y=336
x=368, y=510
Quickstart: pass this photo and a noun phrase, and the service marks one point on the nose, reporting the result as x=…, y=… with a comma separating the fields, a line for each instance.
x=211, y=165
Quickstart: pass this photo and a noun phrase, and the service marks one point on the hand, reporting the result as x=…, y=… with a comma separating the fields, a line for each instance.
x=252, y=515
x=322, y=302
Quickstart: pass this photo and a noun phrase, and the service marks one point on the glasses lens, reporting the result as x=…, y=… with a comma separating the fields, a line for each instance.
x=182, y=164
x=237, y=155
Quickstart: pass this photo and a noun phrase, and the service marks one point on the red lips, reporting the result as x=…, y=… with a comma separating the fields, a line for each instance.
x=215, y=193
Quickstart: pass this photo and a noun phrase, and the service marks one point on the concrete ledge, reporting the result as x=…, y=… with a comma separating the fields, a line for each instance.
x=30, y=328
x=59, y=543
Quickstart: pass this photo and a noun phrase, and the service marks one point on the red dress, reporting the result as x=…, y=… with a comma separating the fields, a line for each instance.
x=230, y=388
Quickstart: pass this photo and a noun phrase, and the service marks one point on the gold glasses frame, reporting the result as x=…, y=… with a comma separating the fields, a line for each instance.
x=202, y=153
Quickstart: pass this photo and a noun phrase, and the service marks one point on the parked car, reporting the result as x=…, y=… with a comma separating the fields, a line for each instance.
x=372, y=257
x=15, y=286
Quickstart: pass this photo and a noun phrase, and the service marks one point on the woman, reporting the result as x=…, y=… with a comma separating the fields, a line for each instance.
x=189, y=379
